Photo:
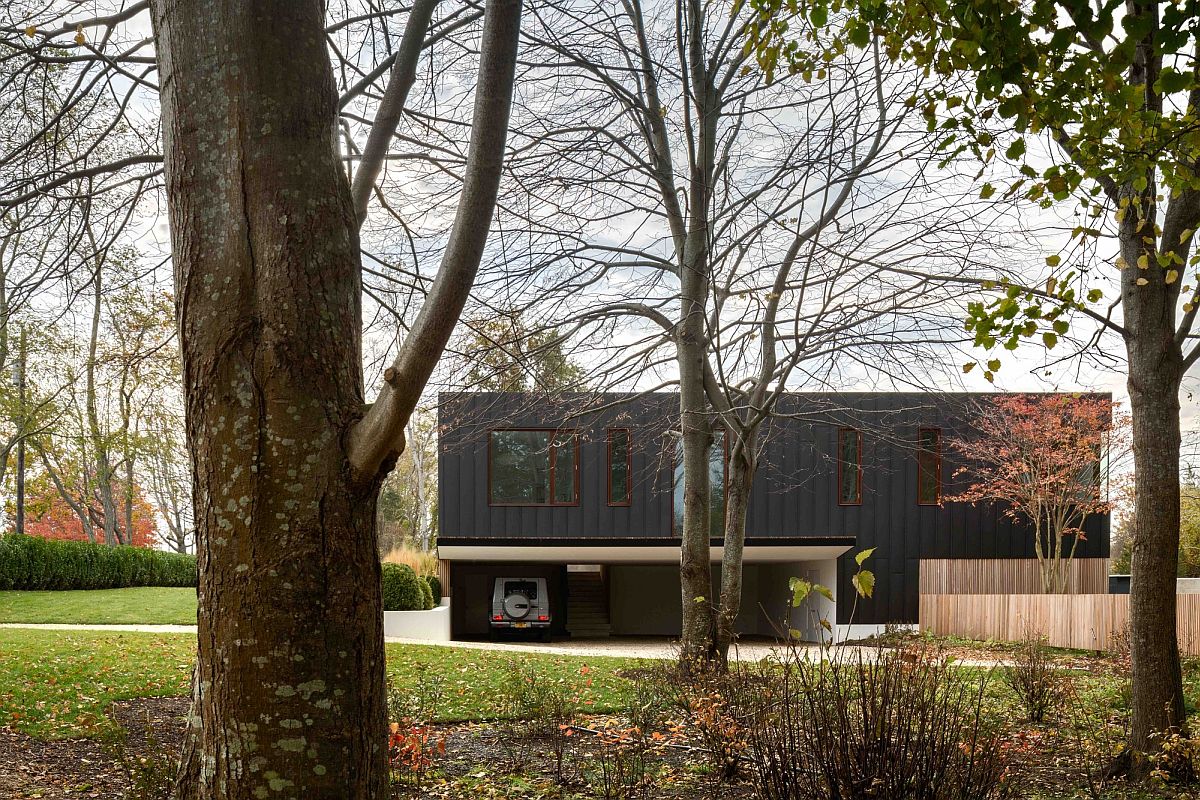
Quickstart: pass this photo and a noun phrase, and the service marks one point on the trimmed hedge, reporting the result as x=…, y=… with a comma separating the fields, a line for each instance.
x=402, y=589
x=435, y=587
x=31, y=562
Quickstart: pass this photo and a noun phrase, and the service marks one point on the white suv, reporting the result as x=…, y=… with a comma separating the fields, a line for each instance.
x=521, y=603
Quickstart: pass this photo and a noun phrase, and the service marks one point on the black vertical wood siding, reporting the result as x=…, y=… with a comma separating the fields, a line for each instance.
x=794, y=497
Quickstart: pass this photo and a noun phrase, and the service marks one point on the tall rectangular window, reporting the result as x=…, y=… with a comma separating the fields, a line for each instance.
x=717, y=460
x=849, y=467
x=929, y=466
x=620, y=460
x=533, y=468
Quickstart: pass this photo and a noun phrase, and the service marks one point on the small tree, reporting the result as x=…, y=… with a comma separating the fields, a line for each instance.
x=1189, y=529
x=506, y=354
x=1041, y=455
x=53, y=513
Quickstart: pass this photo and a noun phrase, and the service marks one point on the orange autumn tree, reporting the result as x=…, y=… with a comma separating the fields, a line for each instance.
x=50, y=516
x=1041, y=456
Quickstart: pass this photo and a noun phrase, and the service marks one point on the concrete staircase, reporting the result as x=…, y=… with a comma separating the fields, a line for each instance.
x=587, y=605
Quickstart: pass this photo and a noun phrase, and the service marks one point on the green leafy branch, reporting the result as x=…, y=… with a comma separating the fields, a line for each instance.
x=863, y=581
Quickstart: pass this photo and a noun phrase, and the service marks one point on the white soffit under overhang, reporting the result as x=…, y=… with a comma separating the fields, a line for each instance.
x=642, y=554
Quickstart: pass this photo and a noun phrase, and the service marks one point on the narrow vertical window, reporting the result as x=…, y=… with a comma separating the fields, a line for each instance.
x=620, y=460
x=565, y=459
x=849, y=467
x=929, y=466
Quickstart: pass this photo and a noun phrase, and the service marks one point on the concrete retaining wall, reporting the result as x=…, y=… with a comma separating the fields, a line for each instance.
x=427, y=626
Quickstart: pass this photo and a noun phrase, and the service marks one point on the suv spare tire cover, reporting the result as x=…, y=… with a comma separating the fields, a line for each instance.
x=516, y=605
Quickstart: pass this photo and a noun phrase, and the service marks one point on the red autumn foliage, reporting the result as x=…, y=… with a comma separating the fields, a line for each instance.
x=1040, y=455
x=51, y=517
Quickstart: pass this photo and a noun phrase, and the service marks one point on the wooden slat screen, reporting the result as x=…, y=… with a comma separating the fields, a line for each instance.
x=1079, y=621
x=1006, y=576
x=444, y=577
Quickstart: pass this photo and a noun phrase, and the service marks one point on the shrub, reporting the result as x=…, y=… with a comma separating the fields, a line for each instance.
x=402, y=589
x=31, y=562
x=1098, y=732
x=896, y=723
x=538, y=707
x=1034, y=678
x=702, y=700
x=427, y=601
x=435, y=586
x=412, y=750
x=413, y=745
x=620, y=772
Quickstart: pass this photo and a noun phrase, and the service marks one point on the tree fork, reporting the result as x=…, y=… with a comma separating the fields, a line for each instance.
x=289, y=685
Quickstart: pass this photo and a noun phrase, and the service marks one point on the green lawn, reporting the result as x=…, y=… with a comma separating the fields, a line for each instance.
x=137, y=606
x=59, y=683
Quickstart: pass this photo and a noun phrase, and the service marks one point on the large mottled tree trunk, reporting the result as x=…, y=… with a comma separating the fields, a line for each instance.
x=290, y=677
x=737, y=500
x=1156, y=366
x=1154, y=380
x=289, y=694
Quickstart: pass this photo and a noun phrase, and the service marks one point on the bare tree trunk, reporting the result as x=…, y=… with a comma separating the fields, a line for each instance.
x=417, y=451
x=695, y=571
x=128, y=455
x=104, y=470
x=1154, y=381
x=128, y=498
x=737, y=499
x=1040, y=542
x=692, y=345
x=291, y=698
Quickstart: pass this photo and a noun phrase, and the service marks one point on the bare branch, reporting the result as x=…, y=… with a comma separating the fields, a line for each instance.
x=379, y=436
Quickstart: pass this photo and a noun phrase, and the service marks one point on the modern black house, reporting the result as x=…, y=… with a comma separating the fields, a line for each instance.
x=582, y=489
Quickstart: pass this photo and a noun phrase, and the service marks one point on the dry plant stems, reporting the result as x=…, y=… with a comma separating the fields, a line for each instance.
x=422, y=562
x=423, y=702
x=1034, y=679
x=149, y=775
x=701, y=699
x=724, y=738
x=413, y=747
x=901, y=724
x=541, y=709
x=1095, y=740
x=649, y=709
x=620, y=772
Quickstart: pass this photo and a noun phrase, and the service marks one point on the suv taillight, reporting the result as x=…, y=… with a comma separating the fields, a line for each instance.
x=543, y=618
x=498, y=617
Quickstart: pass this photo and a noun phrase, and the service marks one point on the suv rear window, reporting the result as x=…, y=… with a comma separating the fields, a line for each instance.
x=527, y=588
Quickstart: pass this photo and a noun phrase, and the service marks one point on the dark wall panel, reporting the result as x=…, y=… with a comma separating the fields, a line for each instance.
x=795, y=492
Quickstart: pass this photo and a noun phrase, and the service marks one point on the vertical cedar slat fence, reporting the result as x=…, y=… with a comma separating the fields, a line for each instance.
x=443, y=571
x=1007, y=576
x=1077, y=621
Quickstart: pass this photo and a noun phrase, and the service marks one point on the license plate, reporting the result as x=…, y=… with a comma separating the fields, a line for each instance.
x=520, y=624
